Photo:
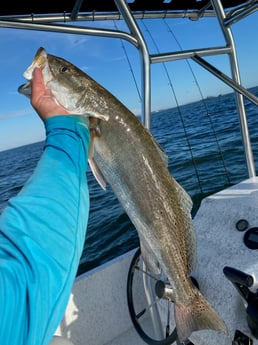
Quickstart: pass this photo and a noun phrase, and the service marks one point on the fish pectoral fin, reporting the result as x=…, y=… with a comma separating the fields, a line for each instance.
x=91, y=147
x=93, y=165
x=97, y=173
x=96, y=115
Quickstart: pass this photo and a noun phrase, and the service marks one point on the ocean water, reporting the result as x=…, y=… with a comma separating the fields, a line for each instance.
x=204, y=147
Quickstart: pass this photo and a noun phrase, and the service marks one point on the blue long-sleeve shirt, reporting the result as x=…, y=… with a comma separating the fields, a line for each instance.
x=42, y=232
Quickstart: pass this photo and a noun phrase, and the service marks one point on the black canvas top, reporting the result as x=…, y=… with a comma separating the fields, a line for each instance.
x=43, y=7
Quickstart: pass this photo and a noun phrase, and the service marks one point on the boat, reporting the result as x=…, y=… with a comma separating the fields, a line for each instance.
x=119, y=302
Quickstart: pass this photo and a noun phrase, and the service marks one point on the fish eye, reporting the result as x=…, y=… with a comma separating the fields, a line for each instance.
x=64, y=69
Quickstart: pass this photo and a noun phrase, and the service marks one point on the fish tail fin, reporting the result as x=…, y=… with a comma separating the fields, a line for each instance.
x=196, y=316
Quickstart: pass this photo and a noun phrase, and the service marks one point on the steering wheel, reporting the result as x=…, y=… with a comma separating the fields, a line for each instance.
x=153, y=319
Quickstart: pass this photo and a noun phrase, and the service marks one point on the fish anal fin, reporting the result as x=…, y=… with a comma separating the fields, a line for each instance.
x=197, y=315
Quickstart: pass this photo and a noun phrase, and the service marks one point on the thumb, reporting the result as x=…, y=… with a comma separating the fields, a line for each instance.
x=38, y=87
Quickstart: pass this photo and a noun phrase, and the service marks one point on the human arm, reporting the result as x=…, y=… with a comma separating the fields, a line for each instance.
x=42, y=233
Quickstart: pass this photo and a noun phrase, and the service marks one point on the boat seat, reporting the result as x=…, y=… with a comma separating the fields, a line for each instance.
x=60, y=341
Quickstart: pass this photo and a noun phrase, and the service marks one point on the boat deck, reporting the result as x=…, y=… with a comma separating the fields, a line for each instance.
x=97, y=313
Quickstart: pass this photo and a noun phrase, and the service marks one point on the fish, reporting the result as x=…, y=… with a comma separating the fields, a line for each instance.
x=124, y=154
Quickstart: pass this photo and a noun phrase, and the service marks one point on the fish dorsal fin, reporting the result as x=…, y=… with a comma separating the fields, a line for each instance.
x=185, y=198
x=190, y=242
x=161, y=152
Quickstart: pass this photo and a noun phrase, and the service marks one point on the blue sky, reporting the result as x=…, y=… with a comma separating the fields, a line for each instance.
x=104, y=60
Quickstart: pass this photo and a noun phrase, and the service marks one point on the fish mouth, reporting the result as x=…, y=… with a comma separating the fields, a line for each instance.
x=39, y=61
x=25, y=89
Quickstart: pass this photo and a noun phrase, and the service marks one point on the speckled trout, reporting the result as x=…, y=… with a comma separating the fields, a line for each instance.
x=124, y=154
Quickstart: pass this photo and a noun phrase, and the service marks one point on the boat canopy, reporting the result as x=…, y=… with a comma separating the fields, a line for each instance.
x=18, y=7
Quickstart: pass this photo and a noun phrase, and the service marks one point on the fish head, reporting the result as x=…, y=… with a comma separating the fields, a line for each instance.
x=70, y=87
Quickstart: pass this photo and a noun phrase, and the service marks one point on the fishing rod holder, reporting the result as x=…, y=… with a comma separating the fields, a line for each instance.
x=242, y=282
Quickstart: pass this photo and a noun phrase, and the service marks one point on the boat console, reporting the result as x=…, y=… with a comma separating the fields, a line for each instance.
x=227, y=267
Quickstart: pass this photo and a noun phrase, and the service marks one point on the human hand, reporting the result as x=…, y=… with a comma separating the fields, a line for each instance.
x=42, y=100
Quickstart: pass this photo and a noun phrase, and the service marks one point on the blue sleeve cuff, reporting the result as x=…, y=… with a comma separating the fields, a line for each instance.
x=66, y=121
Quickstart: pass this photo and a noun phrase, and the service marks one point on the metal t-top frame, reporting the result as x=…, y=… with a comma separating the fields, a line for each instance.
x=53, y=23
